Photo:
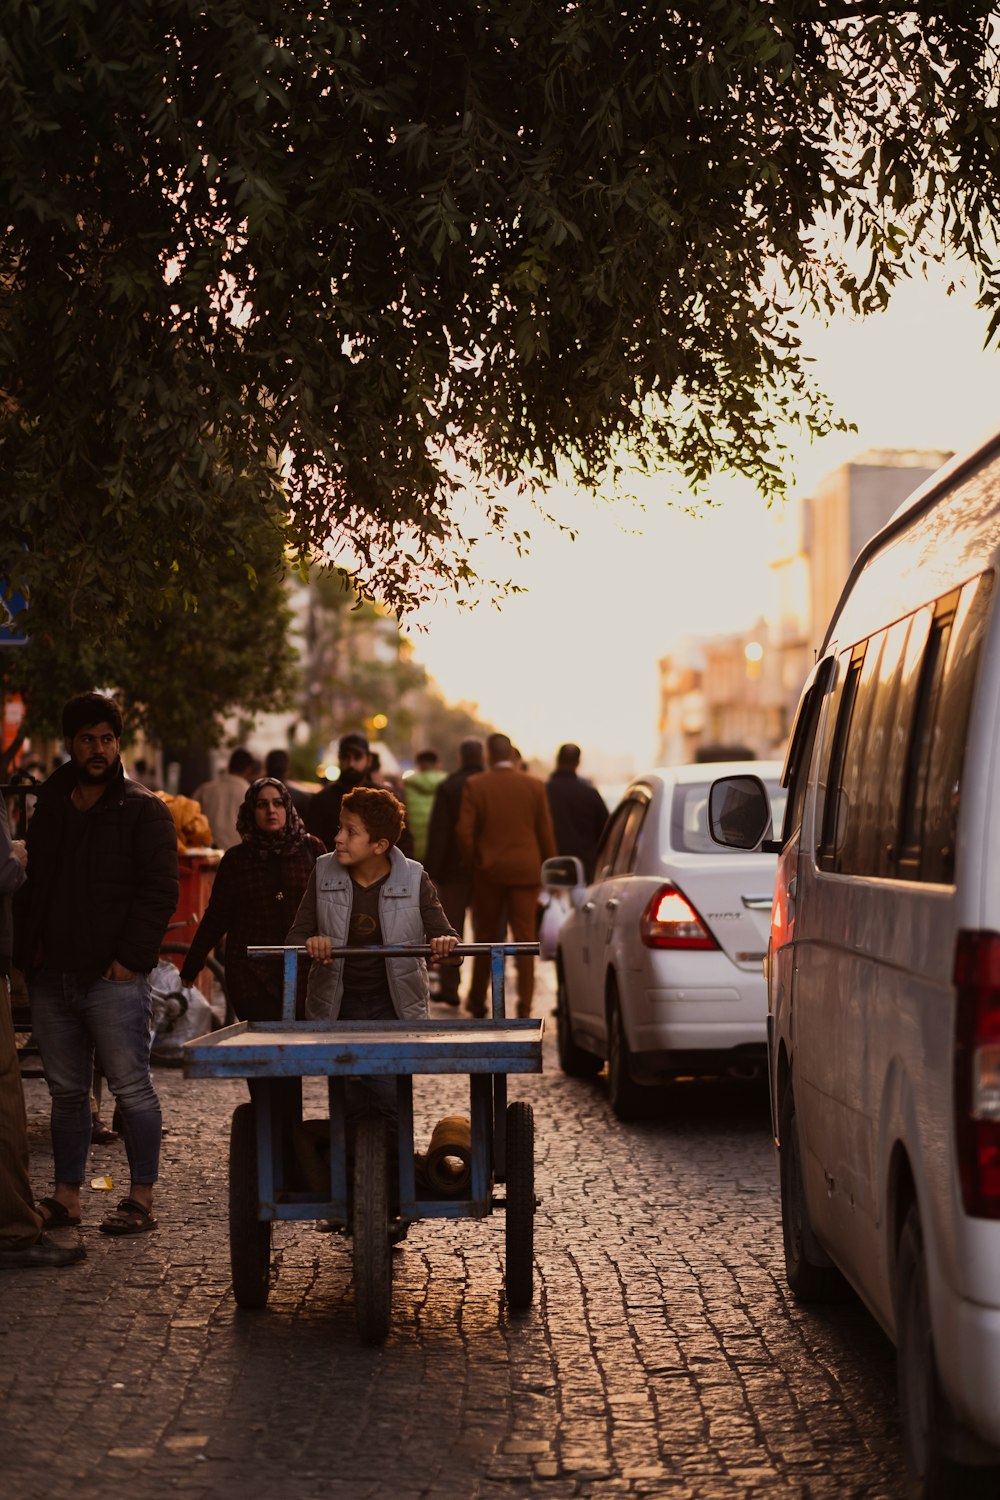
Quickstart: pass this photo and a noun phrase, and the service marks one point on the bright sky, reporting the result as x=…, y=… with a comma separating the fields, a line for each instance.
x=574, y=657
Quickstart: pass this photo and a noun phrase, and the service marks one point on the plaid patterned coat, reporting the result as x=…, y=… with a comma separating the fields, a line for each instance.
x=253, y=901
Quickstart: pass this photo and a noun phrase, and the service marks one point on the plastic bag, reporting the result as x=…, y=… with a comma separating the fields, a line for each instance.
x=180, y=1013
x=555, y=909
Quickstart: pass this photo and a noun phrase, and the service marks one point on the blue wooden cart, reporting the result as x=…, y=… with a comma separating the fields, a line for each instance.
x=360, y=1196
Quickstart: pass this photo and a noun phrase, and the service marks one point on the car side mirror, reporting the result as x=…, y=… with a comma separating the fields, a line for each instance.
x=564, y=872
x=739, y=812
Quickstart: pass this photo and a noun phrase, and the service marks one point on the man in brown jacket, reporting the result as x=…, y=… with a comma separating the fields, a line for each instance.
x=504, y=832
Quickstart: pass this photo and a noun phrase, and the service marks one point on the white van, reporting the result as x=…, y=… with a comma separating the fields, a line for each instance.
x=884, y=965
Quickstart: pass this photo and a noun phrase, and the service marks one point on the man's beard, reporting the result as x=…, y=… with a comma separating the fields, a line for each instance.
x=350, y=778
x=87, y=777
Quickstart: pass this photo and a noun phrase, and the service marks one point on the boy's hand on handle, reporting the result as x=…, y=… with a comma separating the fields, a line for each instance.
x=441, y=949
x=320, y=949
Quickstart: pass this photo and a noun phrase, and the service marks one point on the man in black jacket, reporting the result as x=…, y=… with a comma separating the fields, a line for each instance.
x=101, y=889
x=442, y=858
x=322, y=816
x=578, y=810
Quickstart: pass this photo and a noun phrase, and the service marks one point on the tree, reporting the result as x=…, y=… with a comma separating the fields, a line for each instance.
x=357, y=260
x=356, y=666
x=178, y=678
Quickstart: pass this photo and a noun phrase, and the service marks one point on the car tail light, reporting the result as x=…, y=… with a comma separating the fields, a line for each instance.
x=977, y=1071
x=670, y=921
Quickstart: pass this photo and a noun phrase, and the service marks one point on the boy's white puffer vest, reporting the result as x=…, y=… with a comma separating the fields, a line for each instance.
x=399, y=915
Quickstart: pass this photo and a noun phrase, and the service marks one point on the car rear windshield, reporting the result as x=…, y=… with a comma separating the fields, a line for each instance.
x=689, y=817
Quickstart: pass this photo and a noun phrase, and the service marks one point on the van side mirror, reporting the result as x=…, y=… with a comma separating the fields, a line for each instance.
x=739, y=812
x=563, y=872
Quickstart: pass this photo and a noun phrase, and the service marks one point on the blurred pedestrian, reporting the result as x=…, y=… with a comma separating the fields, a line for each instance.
x=144, y=772
x=102, y=886
x=22, y=1241
x=443, y=859
x=578, y=810
x=322, y=817
x=419, y=788
x=504, y=832
x=256, y=893
x=276, y=764
x=222, y=798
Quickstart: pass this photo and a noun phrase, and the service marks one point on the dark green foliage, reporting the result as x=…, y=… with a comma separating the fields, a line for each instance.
x=421, y=249
x=176, y=677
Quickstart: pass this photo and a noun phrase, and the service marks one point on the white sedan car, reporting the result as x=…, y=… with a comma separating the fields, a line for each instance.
x=660, y=962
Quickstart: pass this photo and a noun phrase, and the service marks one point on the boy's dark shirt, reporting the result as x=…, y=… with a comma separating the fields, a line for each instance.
x=366, y=985
x=365, y=981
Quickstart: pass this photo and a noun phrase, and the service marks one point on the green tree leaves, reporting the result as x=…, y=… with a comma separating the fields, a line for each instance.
x=343, y=263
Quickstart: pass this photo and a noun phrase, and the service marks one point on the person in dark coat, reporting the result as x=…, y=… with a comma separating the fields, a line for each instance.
x=101, y=888
x=22, y=1241
x=578, y=810
x=322, y=816
x=255, y=895
x=443, y=859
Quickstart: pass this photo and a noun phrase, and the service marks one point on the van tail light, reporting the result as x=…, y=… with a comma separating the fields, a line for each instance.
x=977, y=1071
x=670, y=921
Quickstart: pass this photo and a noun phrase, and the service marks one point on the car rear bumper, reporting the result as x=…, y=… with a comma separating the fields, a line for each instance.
x=700, y=1018
x=673, y=1048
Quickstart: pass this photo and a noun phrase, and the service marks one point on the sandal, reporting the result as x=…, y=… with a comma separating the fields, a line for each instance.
x=57, y=1215
x=128, y=1218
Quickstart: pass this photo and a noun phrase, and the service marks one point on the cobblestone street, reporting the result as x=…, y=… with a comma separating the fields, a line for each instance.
x=663, y=1354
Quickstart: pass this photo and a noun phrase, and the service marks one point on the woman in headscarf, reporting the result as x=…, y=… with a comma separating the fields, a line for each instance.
x=255, y=895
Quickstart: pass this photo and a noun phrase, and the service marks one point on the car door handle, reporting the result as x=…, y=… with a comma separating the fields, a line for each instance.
x=612, y=905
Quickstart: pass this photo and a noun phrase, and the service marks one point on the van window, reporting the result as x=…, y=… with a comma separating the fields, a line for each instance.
x=898, y=741
x=835, y=808
x=950, y=732
x=800, y=751
x=890, y=768
x=918, y=758
x=826, y=744
x=857, y=783
x=871, y=845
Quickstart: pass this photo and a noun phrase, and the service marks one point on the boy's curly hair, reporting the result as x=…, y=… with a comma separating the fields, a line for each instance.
x=382, y=814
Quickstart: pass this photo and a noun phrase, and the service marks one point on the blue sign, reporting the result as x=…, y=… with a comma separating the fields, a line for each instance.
x=11, y=605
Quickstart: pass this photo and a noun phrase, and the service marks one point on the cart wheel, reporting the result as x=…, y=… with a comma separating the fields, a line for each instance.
x=372, y=1251
x=249, y=1235
x=520, y=1204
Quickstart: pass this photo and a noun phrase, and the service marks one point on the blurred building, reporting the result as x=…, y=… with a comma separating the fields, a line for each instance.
x=743, y=689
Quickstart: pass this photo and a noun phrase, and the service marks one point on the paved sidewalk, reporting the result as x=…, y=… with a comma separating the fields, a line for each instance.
x=663, y=1355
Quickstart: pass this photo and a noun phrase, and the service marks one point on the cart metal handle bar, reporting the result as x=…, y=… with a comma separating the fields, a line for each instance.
x=497, y=951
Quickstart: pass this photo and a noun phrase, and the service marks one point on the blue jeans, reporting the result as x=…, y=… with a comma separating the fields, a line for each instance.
x=73, y=1020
